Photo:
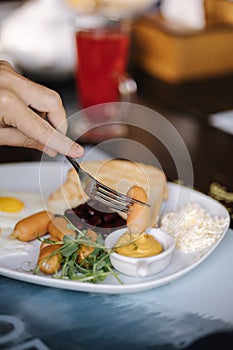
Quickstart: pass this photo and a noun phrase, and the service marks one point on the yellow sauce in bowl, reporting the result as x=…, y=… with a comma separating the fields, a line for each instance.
x=145, y=245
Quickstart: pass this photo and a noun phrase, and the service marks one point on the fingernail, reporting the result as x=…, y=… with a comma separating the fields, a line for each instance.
x=76, y=151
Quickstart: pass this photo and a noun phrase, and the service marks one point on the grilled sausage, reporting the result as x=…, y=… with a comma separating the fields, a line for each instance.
x=138, y=219
x=59, y=227
x=33, y=226
x=86, y=250
x=49, y=261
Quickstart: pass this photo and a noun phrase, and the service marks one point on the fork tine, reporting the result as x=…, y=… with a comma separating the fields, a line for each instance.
x=99, y=191
x=105, y=198
x=114, y=196
x=110, y=203
x=119, y=195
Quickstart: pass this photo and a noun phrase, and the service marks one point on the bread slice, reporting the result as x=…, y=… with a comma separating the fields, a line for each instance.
x=117, y=174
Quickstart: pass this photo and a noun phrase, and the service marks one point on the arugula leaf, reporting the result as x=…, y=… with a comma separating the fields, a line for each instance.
x=94, y=268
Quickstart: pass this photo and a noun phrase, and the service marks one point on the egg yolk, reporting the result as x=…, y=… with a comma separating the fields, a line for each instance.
x=10, y=205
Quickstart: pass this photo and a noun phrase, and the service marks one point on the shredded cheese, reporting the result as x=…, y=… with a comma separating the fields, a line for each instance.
x=193, y=228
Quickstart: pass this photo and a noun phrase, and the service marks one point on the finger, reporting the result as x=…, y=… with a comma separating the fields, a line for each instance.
x=34, y=95
x=4, y=65
x=13, y=137
x=32, y=125
x=49, y=101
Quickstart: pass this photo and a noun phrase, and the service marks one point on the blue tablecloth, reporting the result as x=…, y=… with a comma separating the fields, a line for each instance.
x=168, y=317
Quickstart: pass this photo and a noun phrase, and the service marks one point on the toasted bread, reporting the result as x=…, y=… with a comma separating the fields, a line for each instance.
x=117, y=174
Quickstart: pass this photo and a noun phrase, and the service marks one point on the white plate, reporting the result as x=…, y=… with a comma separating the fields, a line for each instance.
x=46, y=177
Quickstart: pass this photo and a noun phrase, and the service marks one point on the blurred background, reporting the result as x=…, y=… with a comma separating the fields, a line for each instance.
x=180, y=56
x=177, y=42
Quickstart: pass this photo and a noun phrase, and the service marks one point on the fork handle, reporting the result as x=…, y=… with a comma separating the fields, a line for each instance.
x=74, y=163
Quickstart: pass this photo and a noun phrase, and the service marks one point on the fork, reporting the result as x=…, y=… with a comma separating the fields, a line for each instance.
x=102, y=193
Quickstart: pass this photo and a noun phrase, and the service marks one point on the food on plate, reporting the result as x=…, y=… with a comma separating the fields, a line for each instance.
x=58, y=227
x=50, y=240
x=135, y=242
x=73, y=249
x=81, y=258
x=86, y=250
x=120, y=175
x=137, y=180
x=143, y=246
x=11, y=205
x=77, y=254
x=138, y=219
x=49, y=261
x=157, y=251
x=11, y=247
x=95, y=215
x=17, y=205
x=193, y=228
x=33, y=226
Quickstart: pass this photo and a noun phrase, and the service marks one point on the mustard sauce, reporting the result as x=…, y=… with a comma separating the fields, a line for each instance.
x=145, y=245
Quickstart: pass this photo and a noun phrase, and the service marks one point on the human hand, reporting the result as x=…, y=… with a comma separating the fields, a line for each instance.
x=23, y=107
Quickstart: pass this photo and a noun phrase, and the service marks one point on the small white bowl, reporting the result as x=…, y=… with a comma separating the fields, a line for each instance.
x=142, y=267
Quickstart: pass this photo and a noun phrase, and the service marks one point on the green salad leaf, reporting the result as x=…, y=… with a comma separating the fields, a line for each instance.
x=92, y=268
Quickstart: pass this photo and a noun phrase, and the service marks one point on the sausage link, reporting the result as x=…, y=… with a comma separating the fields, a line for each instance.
x=49, y=262
x=138, y=219
x=33, y=226
x=45, y=244
x=58, y=227
x=86, y=250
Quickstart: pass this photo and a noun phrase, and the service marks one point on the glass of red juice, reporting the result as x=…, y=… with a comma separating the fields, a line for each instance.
x=102, y=59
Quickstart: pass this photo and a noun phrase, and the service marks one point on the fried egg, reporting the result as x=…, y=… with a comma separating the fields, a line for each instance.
x=15, y=206
x=12, y=247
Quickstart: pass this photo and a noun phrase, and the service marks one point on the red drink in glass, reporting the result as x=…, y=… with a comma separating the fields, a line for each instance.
x=101, y=76
x=102, y=62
